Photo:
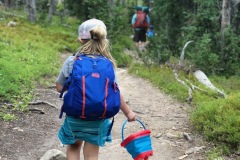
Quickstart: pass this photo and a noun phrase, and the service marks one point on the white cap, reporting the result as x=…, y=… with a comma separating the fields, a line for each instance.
x=85, y=28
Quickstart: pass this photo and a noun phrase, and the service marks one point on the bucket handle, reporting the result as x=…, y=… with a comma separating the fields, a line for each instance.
x=126, y=123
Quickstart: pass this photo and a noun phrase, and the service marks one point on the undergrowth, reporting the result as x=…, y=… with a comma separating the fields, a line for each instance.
x=29, y=53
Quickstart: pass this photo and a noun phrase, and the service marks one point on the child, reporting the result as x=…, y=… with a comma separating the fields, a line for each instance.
x=76, y=132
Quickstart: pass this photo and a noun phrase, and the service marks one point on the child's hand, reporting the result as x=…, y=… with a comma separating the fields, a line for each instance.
x=131, y=116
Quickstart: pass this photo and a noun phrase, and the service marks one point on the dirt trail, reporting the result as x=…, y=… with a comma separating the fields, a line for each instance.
x=166, y=118
x=29, y=137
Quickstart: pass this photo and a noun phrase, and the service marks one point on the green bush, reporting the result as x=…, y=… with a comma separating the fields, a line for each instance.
x=200, y=52
x=158, y=52
x=219, y=120
x=121, y=43
x=122, y=59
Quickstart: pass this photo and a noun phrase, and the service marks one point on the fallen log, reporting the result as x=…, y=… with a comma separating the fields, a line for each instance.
x=202, y=78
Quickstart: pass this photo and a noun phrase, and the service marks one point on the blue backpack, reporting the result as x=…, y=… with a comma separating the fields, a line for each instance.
x=92, y=92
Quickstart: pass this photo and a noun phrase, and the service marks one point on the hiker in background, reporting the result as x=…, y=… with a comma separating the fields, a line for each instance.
x=87, y=134
x=150, y=32
x=140, y=23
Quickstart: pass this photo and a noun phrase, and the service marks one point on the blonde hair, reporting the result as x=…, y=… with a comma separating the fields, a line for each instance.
x=98, y=45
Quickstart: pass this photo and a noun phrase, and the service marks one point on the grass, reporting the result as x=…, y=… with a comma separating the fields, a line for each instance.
x=29, y=52
x=163, y=78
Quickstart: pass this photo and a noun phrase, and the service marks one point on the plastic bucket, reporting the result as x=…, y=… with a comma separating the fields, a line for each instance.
x=138, y=144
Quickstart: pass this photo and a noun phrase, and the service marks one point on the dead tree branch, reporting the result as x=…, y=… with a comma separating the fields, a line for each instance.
x=31, y=103
x=196, y=87
x=199, y=75
x=48, y=90
x=181, y=59
x=42, y=102
x=189, y=99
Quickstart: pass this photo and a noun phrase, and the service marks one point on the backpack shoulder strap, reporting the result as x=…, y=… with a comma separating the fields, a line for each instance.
x=65, y=86
x=64, y=89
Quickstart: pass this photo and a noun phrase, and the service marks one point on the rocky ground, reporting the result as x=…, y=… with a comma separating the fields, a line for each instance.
x=34, y=133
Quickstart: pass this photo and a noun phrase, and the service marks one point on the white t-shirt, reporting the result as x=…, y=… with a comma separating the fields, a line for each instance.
x=65, y=70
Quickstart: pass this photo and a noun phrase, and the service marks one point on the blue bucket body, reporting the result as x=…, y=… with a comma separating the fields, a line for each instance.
x=139, y=145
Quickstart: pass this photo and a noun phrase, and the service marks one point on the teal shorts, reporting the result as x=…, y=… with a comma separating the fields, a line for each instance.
x=94, y=132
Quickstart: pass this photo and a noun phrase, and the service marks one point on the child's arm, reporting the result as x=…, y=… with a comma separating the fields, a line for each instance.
x=126, y=110
x=59, y=87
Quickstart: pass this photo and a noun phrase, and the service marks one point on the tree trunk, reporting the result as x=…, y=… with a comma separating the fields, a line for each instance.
x=26, y=6
x=51, y=10
x=32, y=11
x=225, y=22
x=7, y=3
x=226, y=14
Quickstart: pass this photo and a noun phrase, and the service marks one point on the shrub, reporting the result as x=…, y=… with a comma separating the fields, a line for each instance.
x=219, y=120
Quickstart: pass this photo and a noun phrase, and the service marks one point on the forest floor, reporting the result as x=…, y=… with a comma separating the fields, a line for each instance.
x=34, y=133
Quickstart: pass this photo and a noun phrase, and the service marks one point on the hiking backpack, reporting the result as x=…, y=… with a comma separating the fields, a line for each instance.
x=92, y=92
x=141, y=20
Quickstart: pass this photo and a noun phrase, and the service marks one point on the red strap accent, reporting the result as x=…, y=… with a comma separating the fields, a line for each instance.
x=84, y=97
x=144, y=155
x=77, y=58
x=105, y=99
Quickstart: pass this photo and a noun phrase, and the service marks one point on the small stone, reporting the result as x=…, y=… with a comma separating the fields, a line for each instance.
x=170, y=135
x=53, y=154
x=187, y=137
x=182, y=157
x=11, y=24
x=18, y=128
x=194, y=150
x=158, y=135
